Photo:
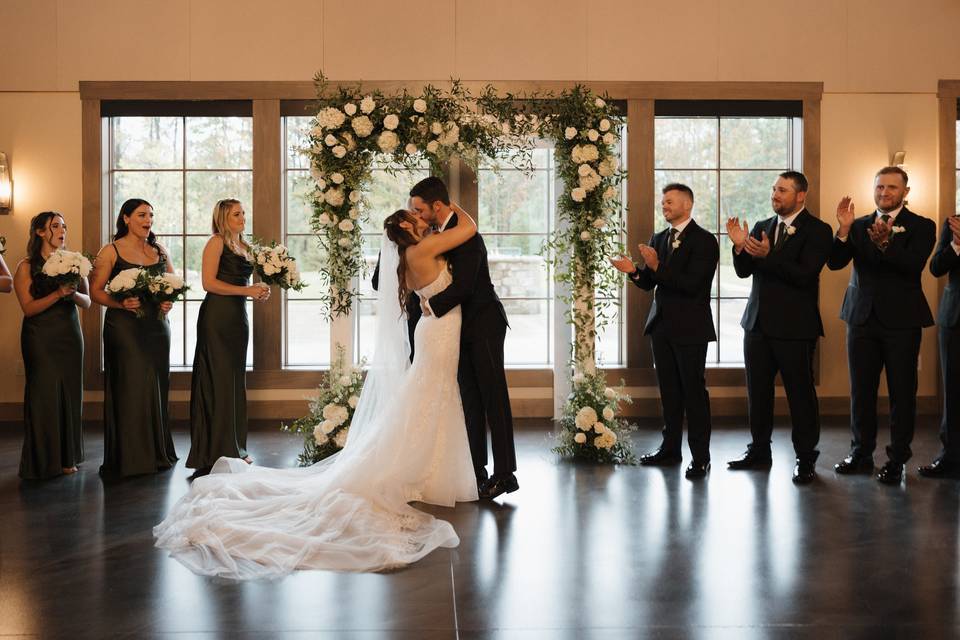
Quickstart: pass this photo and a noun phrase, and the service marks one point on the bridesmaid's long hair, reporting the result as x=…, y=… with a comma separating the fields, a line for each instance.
x=35, y=257
x=221, y=211
x=403, y=239
x=126, y=209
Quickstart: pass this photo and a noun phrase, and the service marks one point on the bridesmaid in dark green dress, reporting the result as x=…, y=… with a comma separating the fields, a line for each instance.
x=52, y=347
x=218, y=399
x=136, y=353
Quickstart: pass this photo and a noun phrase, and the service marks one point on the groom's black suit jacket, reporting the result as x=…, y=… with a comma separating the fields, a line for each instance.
x=472, y=289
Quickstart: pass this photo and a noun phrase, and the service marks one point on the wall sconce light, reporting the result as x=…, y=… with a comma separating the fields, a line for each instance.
x=6, y=185
x=899, y=159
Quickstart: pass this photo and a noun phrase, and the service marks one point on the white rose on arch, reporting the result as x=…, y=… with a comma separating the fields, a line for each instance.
x=599, y=103
x=570, y=133
x=584, y=170
x=608, y=166
x=339, y=151
x=323, y=219
x=604, y=125
x=410, y=148
x=436, y=128
x=367, y=104
x=391, y=122
x=593, y=135
x=578, y=194
x=585, y=236
x=344, y=242
x=609, y=193
x=336, y=177
x=354, y=214
x=354, y=197
x=346, y=225
x=350, y=108
x=334, y=197
x=420, y=105
x=330, y=140
x=432, y=146
x=609, y=138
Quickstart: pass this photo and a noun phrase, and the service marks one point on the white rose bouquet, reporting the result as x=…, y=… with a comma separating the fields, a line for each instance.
x=166, y=287
x=129, y=283
x=66, y=268
x=275, y=266
x=326, y=428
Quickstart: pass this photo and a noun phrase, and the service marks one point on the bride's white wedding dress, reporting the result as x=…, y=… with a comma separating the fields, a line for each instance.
x=349, y=512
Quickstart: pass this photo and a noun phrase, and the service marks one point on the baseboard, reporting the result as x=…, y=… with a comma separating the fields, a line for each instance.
x=285, y=410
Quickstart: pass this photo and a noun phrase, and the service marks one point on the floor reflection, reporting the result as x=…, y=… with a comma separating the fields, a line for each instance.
x=579, y=551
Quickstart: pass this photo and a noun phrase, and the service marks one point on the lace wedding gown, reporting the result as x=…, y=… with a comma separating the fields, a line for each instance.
x=348, y=512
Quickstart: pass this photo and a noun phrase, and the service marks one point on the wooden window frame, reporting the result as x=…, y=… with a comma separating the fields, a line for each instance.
x=267, y=97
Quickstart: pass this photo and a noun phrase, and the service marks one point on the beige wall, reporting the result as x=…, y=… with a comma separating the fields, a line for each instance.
x=874, y=103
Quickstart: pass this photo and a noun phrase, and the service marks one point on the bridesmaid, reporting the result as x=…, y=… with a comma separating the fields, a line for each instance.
x=218, y=399
x=136, y=353
x=52, y=347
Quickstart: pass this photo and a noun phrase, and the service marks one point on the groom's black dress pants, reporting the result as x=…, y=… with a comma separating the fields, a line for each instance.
x=483, y=391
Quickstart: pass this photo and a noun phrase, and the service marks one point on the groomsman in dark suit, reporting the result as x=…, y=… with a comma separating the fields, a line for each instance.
x=946, y=261
x=885, y=311
x=781, y=323
x=679, y=263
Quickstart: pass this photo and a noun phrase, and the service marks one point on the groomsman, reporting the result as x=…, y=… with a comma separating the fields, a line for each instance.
x=885, y=311
x=946, y=261
x=781, y=323
x=679, y=263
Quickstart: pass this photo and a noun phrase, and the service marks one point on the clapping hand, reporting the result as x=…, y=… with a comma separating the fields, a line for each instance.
x=845, y=215
x=738, y=235
x=879, y=233
x=649, y=256
x=623, y=264
x=758, y=248
x=954, y=222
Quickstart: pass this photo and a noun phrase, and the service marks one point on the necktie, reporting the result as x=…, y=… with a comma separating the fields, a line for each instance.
x=885, y=218
x=673, y=239
x=781, y=235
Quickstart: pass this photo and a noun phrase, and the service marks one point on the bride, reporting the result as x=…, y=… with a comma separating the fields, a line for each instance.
x=407, y=443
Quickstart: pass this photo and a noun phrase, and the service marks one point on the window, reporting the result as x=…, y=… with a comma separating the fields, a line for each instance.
x=731, y=163
x=516, y=215
x=182, y=165
x=306, y=333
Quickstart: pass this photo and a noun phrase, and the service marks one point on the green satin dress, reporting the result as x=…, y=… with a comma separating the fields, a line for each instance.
x=136, y=363
x=52, y=347
x=218, y=397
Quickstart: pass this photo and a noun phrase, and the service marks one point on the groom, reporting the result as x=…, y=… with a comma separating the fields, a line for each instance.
x=483, y=382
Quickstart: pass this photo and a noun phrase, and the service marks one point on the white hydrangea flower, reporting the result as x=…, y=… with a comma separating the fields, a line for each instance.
x=341, y=438
x=362, y=125
x=334, y=197
x=585, y=418
x=331, y=118
x=590, y=181
x=319, y=436
x=450, y=135
x=608, y=166
x=391, y=122
x=367, y=104
x=388, y=141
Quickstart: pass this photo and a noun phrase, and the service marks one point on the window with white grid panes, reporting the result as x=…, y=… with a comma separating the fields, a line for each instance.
x=182, y=165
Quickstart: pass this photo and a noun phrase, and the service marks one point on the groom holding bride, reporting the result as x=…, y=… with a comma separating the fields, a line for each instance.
x=419, y=426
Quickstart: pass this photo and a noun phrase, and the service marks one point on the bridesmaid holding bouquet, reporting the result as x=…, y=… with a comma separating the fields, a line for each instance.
x=136, y=350
x=52, y=347
x=218, y=399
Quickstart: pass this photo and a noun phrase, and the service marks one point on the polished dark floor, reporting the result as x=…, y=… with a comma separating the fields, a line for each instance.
x=580, y=551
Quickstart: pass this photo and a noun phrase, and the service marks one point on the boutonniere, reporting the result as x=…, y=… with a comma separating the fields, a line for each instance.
x=895, y=230
x=676, y=243
x=791, y=230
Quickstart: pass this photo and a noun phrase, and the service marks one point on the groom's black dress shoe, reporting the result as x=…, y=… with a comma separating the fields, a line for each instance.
x=854, y=464
x=660, y=458
x=482, y=478
x=891, y=473
x=752, y=459
x=497, y=486
x=939, y=468
x=804, y=472
x=697, y=469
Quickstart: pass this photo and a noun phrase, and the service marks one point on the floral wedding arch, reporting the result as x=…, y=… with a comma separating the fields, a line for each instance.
x=354, y=128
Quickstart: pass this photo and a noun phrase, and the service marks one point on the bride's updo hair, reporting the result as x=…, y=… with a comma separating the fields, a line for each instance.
x=403, y=238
